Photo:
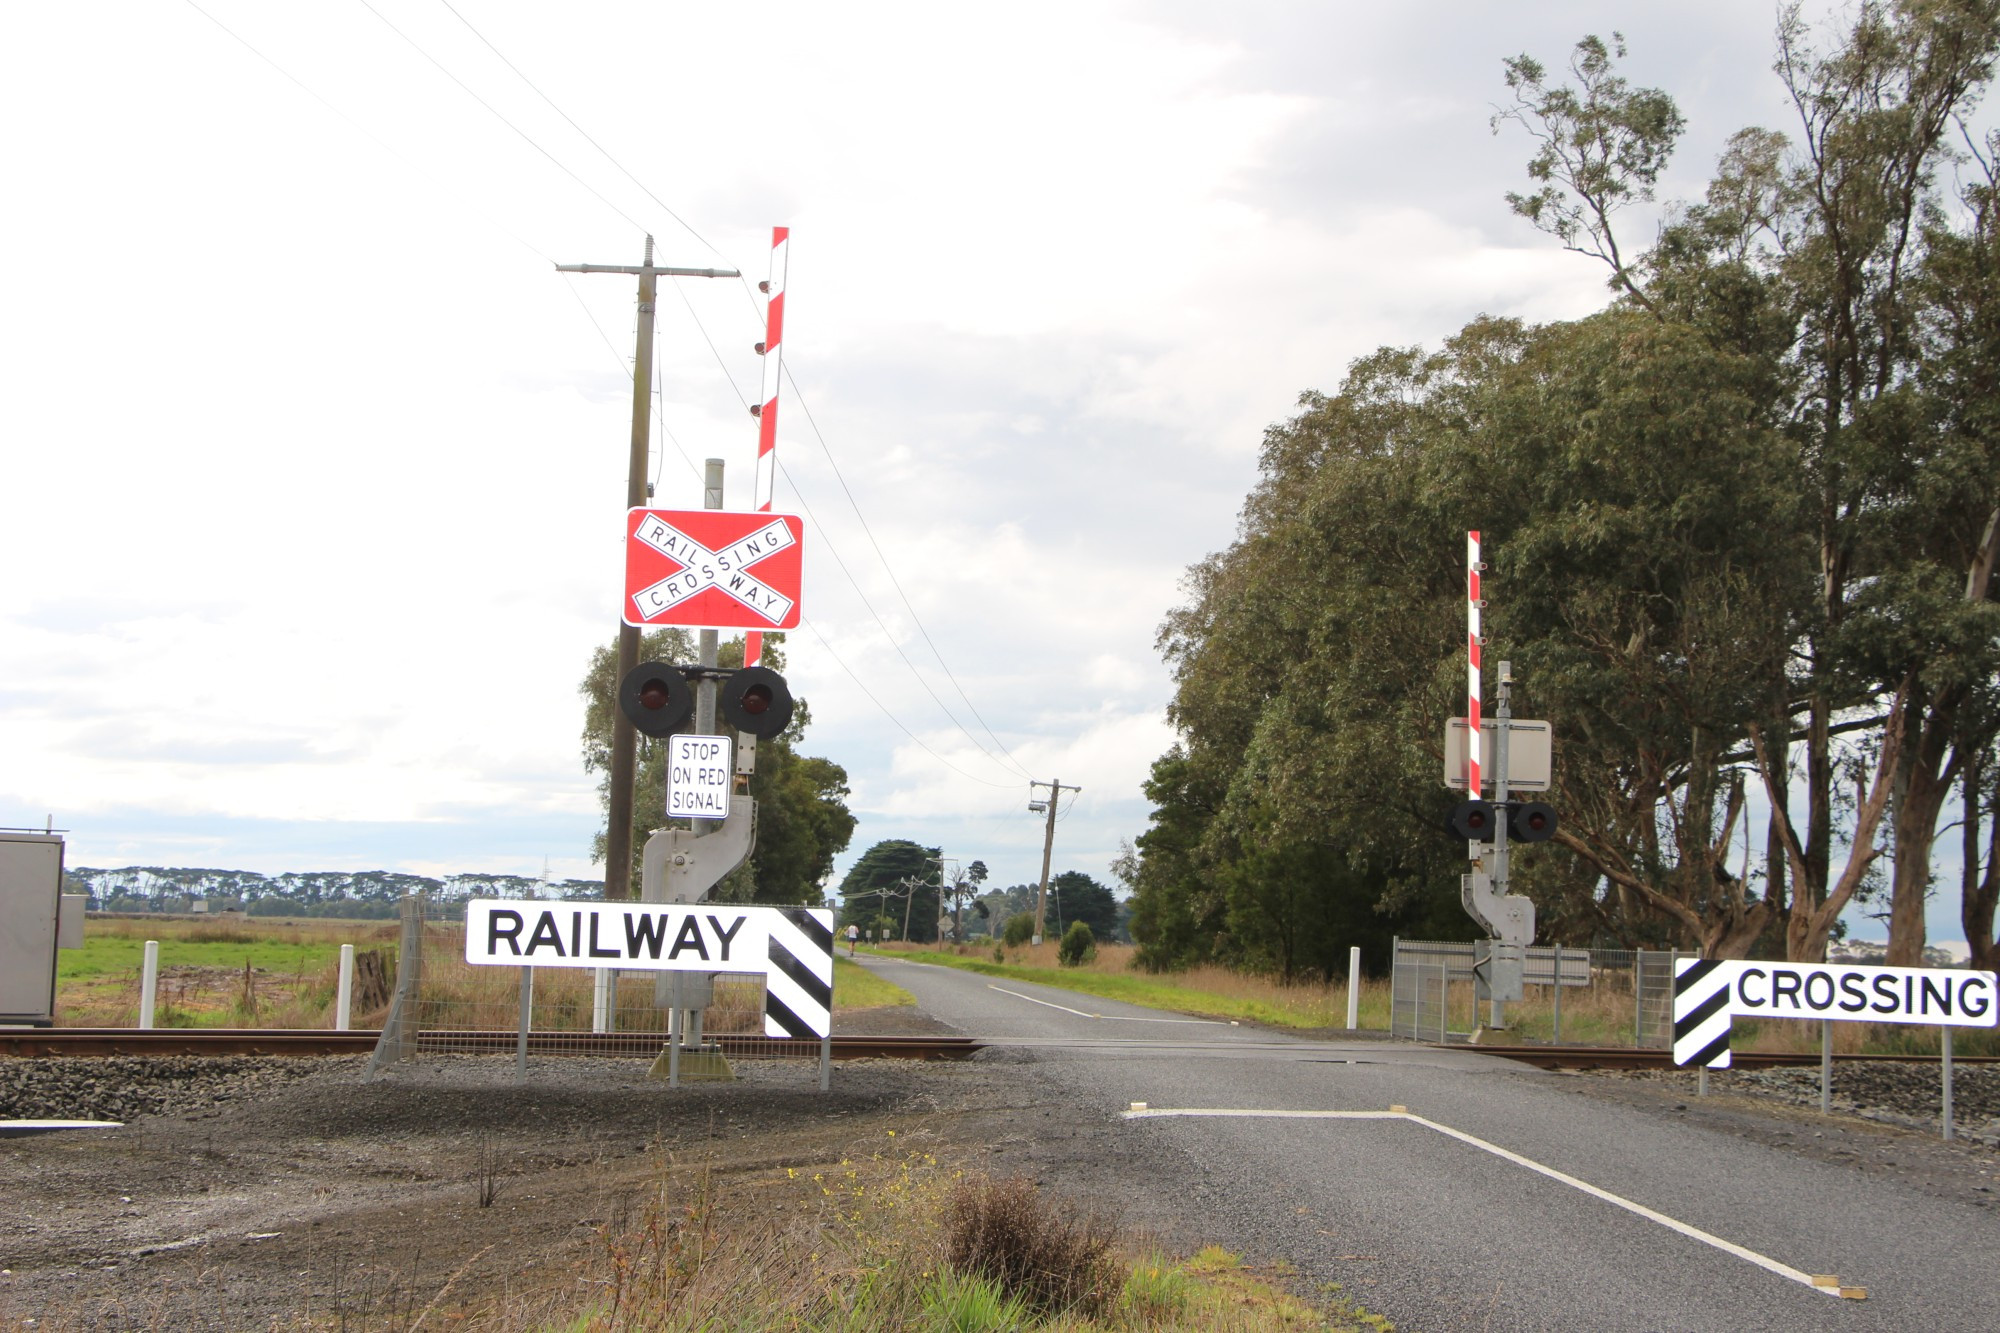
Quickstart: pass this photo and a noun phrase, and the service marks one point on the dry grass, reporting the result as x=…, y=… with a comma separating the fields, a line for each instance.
x=892, y=1244
x=1051, y=1257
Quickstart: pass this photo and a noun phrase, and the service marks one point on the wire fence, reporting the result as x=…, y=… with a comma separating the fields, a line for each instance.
x=690, y=1023
x=1602, y=997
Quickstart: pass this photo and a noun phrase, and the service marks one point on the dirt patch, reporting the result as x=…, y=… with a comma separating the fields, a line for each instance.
x=324, y=1196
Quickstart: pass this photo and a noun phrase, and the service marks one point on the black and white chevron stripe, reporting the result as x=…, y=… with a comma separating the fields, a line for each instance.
x=798, y=986
x=1701, y=1012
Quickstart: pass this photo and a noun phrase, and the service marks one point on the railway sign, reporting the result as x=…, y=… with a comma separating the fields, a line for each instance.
x=712, y=569
x=1708, y=993
x=1530, y=753
x=698, y=777
x=792, y=947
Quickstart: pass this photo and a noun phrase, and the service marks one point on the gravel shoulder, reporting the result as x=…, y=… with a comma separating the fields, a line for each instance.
x=248, y=1193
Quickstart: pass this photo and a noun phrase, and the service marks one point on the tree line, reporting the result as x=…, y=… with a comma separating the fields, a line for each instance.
x=1741, y=527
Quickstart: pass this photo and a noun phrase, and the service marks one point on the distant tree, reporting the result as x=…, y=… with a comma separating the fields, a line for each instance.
x=1084, y=899
x=878, y=883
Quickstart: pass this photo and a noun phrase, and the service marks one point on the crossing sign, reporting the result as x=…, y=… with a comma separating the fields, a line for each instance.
x=712, y=569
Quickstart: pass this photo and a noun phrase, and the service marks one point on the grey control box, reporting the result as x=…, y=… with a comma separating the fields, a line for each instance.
x=32, y=925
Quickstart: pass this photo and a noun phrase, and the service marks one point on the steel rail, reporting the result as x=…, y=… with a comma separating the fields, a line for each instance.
x=29, y=1042
x=1613, y=1057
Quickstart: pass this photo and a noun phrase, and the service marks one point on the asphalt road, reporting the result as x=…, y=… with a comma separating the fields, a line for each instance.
x=1440, y=1234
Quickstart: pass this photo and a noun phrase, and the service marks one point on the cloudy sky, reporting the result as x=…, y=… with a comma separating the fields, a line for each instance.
x=315, y=465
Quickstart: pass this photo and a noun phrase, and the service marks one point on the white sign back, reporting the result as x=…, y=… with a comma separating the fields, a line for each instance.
x=698, y=777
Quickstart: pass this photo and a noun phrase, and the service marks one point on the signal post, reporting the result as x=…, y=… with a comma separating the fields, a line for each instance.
x=1500, y=961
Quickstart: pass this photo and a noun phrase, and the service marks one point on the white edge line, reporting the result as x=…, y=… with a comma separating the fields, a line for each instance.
x=1032, y=1000
x=1639, y=1209
x=1109, y=1018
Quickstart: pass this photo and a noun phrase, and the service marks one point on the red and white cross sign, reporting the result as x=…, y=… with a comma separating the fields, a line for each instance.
x=713, y=569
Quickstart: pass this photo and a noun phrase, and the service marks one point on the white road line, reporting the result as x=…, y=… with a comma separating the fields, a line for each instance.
x=1672, y=1224
x=1032, y=1000
x=1109, y=1018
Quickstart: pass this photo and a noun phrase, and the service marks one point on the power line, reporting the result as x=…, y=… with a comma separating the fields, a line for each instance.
x=896, y=582
x=660, y=414
x=525, y=137
x=684, y=224
x=356, y=125
x=1006, y=786
x=834, y=551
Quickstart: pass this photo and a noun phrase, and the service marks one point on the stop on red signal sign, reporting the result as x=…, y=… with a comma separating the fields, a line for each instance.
x=713, y=569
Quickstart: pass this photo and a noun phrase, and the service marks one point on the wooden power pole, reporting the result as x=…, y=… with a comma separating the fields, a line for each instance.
x=1056, y=789
x=624, y=737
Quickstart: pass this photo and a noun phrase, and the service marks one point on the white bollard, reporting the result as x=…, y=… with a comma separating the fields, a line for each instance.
x=343, y=1005
x=149, y=983
x=600, y=1001
x=1353, y=987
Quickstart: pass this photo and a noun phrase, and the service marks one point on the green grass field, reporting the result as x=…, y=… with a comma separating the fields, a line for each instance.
x=293, y=969
x=1212, y=992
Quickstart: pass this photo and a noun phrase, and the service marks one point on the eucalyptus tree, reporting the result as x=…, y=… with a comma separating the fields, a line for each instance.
x=1837, y=242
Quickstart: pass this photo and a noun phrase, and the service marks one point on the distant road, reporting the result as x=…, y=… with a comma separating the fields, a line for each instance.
x=1438, y=1233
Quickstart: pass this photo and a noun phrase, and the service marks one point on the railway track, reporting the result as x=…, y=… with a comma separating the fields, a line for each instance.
x=1613, y=1057
x=29, y=1042
x=318, y=1041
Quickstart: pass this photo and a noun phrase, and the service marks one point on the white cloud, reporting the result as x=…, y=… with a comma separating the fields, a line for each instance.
x=317, y=466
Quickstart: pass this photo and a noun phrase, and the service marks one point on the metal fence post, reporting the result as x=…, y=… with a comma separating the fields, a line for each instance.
x=149, y=984
x=527, y=1018
x=1396, y=985
x=1353, y=987
x=1667, y=998
x=1944, y=1059
x=1444, y=1002
x=1556, y=1037
x=343, y=1007
x=1638, y=997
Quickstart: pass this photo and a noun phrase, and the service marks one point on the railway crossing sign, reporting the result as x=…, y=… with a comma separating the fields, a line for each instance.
x=792, y=947
x=712, y=569
x=1709, y=992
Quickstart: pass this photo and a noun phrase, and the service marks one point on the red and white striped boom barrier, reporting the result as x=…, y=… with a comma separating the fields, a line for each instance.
x=1472, y=752
x=772, y=350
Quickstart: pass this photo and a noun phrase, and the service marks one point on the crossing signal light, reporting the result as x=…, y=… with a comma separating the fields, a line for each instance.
x=756, y=701
x=1527, y=821
x=1473, y=821
x=1531, y=821
x=655, y=698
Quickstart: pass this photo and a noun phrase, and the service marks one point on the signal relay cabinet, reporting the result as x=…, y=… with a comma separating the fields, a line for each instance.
x=36, y=918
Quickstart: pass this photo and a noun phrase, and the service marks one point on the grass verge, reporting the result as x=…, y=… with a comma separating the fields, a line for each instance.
x=855, y=987
x=1210, y=992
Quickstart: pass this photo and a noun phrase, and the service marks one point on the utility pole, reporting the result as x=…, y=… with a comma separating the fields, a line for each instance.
x=953, y=888
x=624, y=737
x=910, y=886
x=1056, y=789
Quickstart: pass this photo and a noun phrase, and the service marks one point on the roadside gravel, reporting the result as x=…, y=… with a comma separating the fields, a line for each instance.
x=124, y=1087
x=250, y=1189
x=1889, y=1092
